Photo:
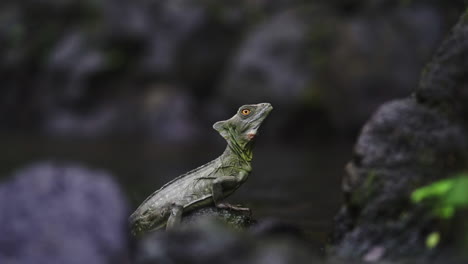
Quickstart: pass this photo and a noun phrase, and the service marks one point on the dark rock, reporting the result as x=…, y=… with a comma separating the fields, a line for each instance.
x=169, y=25
x=66, y=123
x=85, y=70
x=162, y=114
x=70, y=66
x=166, y=114
x=209, y=241
x=272, y=63
x=294, y=58
x=445, y=79
x=403, y=146
x=62, y=214
x=269, y=227
x=407, y=143
x=238, y=220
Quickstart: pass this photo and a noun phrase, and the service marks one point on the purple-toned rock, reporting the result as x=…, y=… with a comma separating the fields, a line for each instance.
x=62, y=214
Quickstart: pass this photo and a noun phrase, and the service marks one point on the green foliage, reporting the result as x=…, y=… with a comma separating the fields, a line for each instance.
x=446, y=195
x=432, y=240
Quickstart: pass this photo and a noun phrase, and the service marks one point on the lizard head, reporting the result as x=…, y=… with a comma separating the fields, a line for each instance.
x=241, y=130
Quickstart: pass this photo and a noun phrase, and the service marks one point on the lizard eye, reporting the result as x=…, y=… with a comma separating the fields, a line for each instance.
x=245, y=112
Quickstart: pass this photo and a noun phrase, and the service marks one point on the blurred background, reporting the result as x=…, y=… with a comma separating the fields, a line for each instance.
x=132, y=87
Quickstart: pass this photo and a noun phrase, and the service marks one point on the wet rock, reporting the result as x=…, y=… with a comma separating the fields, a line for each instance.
x=407, y=143
x=209, y=241
x=62, y=214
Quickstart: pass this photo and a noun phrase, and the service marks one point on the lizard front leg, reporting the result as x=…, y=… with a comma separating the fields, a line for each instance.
x=175, y=217
x=223, y=185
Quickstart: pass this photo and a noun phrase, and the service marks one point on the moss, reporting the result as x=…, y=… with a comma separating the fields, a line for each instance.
x=405, y=3
x=367, y=189
x=313, y=95
x=92, y=20
x=465, y=16
x=115, y=58
x=16, y=35
x=426, y=156
x=319, y=41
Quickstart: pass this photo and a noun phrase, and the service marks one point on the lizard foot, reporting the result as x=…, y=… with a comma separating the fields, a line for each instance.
x=232, y=207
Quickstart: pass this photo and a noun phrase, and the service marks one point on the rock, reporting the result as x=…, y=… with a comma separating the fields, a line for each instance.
x=85, y=70
x=238, y=220
x=71, y=65
x=166, y=114
x=444, y=80
x=188, y=42
x=209, y=241
x=169, y=25
x=403, y=146
x=272, y=63
x=313, y=57
x=62, y=214
x=407, y=143
x=80, y=77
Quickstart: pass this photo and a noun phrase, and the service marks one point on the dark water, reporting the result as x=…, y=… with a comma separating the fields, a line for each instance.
x=295, y=184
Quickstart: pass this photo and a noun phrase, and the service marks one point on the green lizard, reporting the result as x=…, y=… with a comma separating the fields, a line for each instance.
x=210, y=183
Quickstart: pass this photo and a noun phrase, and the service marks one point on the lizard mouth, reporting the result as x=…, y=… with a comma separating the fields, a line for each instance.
x=251, y=136
x=254, y=131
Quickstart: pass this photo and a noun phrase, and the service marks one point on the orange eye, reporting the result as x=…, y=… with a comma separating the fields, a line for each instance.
x=245, y=112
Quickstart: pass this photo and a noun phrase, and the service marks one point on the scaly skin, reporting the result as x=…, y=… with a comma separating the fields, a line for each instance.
x=210, y=183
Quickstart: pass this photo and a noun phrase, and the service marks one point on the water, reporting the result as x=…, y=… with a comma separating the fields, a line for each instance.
x=299, y=185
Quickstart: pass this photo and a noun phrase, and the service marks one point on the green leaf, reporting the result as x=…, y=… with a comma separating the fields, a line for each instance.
x=436, y=189
x=445, y=212
x=445, y=196
x=432, y=240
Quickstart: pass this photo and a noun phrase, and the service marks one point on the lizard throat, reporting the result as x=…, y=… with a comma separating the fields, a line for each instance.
x=243, y=151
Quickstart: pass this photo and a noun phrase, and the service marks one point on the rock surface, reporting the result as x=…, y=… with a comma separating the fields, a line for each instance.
x=407, y=143
x=238, y=220
x=209, y=241
x=62, y=214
